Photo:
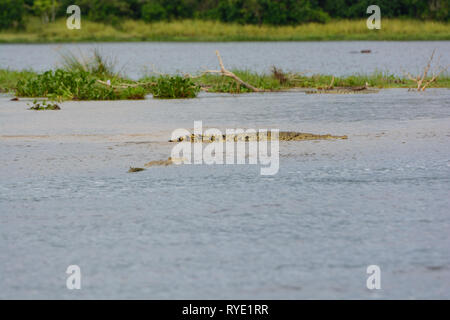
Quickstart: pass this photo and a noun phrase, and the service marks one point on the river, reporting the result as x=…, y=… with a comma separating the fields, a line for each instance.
x=337, y=58
x=381, y=197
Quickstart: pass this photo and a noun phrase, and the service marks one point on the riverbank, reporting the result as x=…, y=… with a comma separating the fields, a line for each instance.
x=196, y=30
x=27, y=83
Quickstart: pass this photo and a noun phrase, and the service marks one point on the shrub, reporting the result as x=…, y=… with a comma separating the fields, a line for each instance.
x=73, y=85
x=176, y=87
x=153, y=11
x=111, y=11
x=11, y=13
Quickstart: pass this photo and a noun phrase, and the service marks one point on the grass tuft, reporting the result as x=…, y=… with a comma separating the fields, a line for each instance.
x=97, y=65
x=175, y=87
x=10, y=78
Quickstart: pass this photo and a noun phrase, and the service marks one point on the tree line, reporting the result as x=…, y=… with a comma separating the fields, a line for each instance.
x=272, y=12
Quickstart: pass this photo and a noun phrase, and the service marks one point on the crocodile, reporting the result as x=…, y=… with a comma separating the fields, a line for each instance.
x=343, y=90
x=256, y=136
x=165, y=163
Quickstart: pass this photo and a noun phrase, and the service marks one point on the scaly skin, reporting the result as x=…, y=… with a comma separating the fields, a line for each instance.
x=342, y=91
x=283, y=136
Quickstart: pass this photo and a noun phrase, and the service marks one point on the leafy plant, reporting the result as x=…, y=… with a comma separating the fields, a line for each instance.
x=46, y=9
x=73, y=85
x=153, y=11
x=175, y=87
x=11, y=13
x=44, y=105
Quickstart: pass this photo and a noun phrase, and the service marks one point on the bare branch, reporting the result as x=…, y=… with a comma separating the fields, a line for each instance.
x=222, y=68
x=421, y=81
x=226, y=73
x=126, y=85
x=434, y=78
x=427, y=68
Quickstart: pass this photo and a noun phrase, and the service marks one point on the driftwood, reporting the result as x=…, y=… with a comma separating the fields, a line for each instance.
x=421, y=81
x=126, y=85
x=227, y=73
x=222, y=71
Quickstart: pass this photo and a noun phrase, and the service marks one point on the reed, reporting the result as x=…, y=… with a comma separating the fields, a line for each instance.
x=96, y=64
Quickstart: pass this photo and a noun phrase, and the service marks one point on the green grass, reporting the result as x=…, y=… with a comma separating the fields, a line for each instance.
x=88, y=78
x=174, y=87
x=197, y=30
x=283, y=81
x=82, y=85
x=217, y=83
x=10, y=78
x=74, y=85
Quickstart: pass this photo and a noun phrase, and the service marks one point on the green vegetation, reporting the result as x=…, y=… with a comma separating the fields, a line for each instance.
x=44, y=105
x=176, y=87
x=97, y=65
x=222, y=20
x=79, y=84
x=278, y=80
x=10, y=78
x=215, y=83
x=256, y=12
x=11, y=13
x=80, y=79
x=94, y=79
x=197, y=30
x=73, y=85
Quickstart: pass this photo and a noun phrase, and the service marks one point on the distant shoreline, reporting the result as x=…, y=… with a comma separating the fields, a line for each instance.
x=211, y=31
